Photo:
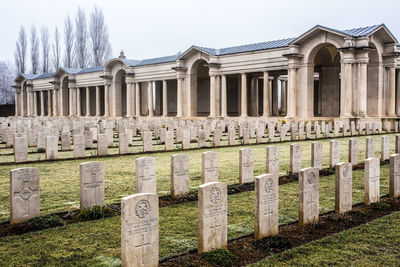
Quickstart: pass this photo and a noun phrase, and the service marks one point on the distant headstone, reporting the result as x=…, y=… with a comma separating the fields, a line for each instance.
x=169, y=140
x=231, y=136
x=179, y=175
x=246, y=165
x=185, y=139
x=147, y=141
x=65, y=141
x=217, y=137
x=308, y=196
x=139, y=230
x=51, y=147
x=343, y=187
x=385, y=147
x=334, y=153
x=88, y=139
x=371, y=181
x=259, y=135
x=212, y=217
x=316, y=155
x=209, y=167
x=394, y=184
x=353, y=151
x=123, y=143
x=295, y=158
x=20, y=148
x=272, y=160
x=102, y=145
x=24, y=194
x=397, y=144
x=146, y=175
x=369, y=149
x=91, y=184
x=266, y=205
x=79, y=146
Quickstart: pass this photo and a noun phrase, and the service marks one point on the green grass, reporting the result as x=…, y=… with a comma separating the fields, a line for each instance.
x=98, y=242
x=59, y=181
x=372, y=244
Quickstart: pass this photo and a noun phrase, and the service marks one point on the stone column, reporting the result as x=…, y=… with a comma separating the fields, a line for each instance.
x=391, y=105
x=21, y=103
x=35, y=108
x=70, y=101
x=212, y=95
x=284, y=98
x=137, y=98
x=48, y=103
x=266, y=95
x=106, y=100
x=16, y=100
x=129, y=99
x=291, y=106
x=274, y=89
x=362, y=89
x=150, y=98
x=179, y=97
x=347, y=90
x=97, y=101
x=54, y=102
x=41, y=103
x=398, y=94
x=87, y=101
x=224, y=111
x=244, y=95
x=78, y=101
x=165, y=98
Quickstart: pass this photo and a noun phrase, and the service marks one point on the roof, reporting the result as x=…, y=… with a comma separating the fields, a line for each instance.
x=355, y=32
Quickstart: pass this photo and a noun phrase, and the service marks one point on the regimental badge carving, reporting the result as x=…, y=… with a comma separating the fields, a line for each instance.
x=216, y=195
x=142, y=208
x=26, y=193
x=311, y=178
x=269, y=183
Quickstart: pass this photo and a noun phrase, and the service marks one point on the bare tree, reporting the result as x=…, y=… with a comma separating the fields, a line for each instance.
x=20, y=51
x=45, y=49
x=81, y=39
x=56, y=50
x=6, y=81
x=100, y=45
x=68, y=42
x=34, y=50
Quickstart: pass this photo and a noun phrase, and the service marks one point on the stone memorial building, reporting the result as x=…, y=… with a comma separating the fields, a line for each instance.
x=323, y=73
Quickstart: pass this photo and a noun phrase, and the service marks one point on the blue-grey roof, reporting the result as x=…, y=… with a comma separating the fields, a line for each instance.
x=151, y=61
x=92, y=69
x=362, y=31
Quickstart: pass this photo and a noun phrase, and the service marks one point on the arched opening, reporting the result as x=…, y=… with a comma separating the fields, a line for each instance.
x=372, y=82
x=327, y=82
x=120, y=93
x=65, y=96
x=200, y=89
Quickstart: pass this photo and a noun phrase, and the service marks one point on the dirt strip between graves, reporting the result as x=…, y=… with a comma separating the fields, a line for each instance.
x=248, y=250
x=179, y=149
x=70, y=217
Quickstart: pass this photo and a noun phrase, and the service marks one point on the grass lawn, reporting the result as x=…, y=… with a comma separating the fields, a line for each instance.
x=98, y=242
x=59, y=181
x=374, y=244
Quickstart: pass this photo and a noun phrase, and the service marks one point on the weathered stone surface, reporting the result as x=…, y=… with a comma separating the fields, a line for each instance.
x=266, y=205
x=91, y=184
x=79, y=146
x=272, y=160
x=259, y=135
x=397, y=144
x=334, y=153
x=385, y=145
x=65, y=141
x=394, y=184
x=201, y=140
x=369, y=149
x=123, y=143
x=308, y=196
x=102, y=145
x=295, y=158
x=231, y=136
x=246, y=136
x=353, y=151
x=20, y=148
x=169, y=140
x=371, y=181
x=217, y=137
x=246, y=165
x=179, y=175
x=343, y=187
x=212, y=217
x=316, y=155
x=209, y=167
x=186, y=139
x=139, y=230
x=51, y=147
x=24, y=194
x=146, y=175
x=88, y=139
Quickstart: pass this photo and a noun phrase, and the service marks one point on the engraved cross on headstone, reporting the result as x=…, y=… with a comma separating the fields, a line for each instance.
x=268, y=214
x=214, y=228
x=143, y=246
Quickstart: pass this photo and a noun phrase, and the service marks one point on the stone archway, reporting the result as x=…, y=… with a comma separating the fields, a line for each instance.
x=200, y=88
x=65, y=96
x=119, y=86
x=326, y=77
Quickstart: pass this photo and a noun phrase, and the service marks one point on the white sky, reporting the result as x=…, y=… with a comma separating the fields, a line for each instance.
x=149, y=28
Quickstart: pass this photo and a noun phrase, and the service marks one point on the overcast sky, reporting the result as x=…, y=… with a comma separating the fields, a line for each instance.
x=148, y=28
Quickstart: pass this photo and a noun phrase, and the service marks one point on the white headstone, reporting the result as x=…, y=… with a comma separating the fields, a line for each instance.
x=246, y=165
x=308, y=196
x=146, y=175
x=91, y=184
x=209, y=167
x=371, y=181
x=179, y=175
x=343, y=187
